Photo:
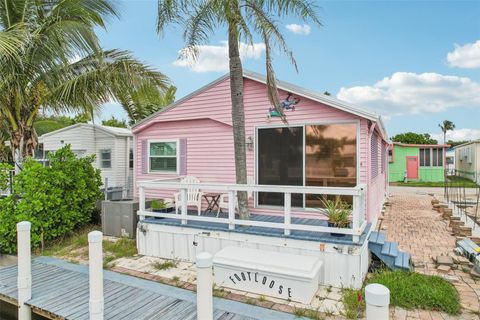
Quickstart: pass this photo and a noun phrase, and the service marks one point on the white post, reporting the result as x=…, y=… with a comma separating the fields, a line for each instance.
x=231, y=209
x=183, y=199
x=287, y=212
x=141, y=200
x=95, y=268
x=24, y=279
x=356, y=217
x=204, y=286
x=377, y=299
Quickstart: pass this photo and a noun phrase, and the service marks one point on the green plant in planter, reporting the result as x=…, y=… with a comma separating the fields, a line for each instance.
x=337, y=211
x=157, y=205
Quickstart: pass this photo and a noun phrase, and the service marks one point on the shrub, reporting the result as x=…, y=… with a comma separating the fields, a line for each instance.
x=5, y=175
x=55, y=199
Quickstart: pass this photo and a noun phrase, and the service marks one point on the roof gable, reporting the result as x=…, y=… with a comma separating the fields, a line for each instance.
x=111, y=131
x=282, y=85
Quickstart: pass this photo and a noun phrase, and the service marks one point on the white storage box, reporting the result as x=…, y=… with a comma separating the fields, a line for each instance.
x=281, y=275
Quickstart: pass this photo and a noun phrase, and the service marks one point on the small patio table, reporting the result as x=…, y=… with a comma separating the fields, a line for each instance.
x=212, y=201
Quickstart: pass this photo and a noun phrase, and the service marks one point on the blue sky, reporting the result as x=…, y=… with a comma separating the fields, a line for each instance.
x=390, y=56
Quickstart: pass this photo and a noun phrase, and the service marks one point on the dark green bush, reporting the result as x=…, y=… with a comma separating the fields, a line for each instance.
x=55, y=199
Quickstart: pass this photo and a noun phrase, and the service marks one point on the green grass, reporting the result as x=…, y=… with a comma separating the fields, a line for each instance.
x=308, y=313
x=353, y=302
x=75, y=247
x=165, y=265
x=66, y=245
x=453, y=181
x=121, y=248
x=411, y=290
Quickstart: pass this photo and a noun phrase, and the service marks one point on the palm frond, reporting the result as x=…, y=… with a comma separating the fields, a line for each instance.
x=305, y=10
x=99, y=78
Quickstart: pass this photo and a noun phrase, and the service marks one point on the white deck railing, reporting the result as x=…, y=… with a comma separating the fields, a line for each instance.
x=358, y=221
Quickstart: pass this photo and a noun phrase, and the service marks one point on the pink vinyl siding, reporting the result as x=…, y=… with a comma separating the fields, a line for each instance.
x=204, y=121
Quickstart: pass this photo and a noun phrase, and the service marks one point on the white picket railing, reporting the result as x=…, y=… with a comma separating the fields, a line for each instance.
x=357, y=217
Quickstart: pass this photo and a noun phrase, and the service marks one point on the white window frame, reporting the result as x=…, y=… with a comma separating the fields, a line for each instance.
x=101, y=159
x=177, y=156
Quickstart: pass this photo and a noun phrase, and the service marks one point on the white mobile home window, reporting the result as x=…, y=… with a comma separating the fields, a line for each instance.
x=163, y=156
x=106, y=158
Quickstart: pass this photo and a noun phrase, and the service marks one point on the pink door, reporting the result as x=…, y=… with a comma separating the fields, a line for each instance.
x=412, y=167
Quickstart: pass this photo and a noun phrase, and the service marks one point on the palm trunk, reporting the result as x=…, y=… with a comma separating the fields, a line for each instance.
x=238, y=118
x=23, y=142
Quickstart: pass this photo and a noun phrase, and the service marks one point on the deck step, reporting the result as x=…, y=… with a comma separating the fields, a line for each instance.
x=390, y=249
x=388, y=252
x=377, y=237
x=402, y=261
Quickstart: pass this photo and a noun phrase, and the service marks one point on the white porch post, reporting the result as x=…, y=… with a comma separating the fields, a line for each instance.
x=287, y=212
x=356, y=218
x=183, y=196
x=24, y=278
x=95, y=266
x=141, y=195
x=231, y=209
x=204, y=286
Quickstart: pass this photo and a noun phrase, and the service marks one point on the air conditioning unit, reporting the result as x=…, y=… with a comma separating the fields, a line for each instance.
x=119, y=217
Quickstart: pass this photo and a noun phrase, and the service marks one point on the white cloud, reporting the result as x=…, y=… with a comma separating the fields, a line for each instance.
x=464, y=134
x=466, y=56
x=215, y=58
x=299, y=29
x=412, y=93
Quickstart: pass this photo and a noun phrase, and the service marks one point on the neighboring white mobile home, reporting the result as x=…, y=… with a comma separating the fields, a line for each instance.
x=112, y=147
x=467, y=160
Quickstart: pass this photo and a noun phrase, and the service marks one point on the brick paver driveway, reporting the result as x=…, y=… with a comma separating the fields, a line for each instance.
x=410, y=221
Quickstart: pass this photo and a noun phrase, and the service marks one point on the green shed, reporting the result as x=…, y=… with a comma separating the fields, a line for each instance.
x=417, y=162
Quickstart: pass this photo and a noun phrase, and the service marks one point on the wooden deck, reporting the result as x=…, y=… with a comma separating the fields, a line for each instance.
x=263, y=231
x=60, y=291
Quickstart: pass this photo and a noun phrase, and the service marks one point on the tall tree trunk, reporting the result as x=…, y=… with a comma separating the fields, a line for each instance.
x=238, y=117
x=23, y=142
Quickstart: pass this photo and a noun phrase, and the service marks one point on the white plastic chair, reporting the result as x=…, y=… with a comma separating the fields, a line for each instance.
x=223, y=200
x=194, y=195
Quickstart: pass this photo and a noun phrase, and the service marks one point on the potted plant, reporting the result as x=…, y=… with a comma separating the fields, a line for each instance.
x=338, y=213
x=160, y=206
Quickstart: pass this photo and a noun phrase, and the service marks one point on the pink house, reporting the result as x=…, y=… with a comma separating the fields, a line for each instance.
x=328, y=147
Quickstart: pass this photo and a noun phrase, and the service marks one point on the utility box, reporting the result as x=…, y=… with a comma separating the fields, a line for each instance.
x=114, y=193
x=119, y=217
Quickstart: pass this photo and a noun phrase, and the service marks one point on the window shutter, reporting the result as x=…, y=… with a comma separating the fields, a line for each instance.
x=183, y=157
x=374, y=156
x=144, y=157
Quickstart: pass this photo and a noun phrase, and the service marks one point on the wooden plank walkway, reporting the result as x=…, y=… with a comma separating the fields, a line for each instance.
x=60, y=291
x=264, y=231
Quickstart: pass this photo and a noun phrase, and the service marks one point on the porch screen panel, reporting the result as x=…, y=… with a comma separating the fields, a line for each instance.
x=330, y=158
x=280, y=162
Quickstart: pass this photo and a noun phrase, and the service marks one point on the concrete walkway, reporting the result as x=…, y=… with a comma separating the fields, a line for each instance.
x=410, y=221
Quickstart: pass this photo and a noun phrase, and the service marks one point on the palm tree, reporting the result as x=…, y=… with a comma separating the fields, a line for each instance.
x=241, y=18
x=139, y=104
x=446, y=125
x=51, y=60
